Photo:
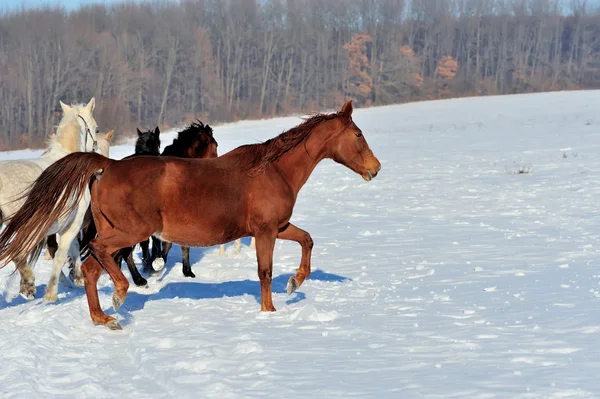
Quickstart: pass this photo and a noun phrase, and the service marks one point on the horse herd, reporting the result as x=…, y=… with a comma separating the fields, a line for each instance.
x=101, y=207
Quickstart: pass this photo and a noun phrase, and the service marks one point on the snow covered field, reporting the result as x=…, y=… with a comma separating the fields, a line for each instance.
x=449, y=275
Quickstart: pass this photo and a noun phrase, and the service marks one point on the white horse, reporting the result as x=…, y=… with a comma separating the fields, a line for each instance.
x=76, y=132
x=104, y=149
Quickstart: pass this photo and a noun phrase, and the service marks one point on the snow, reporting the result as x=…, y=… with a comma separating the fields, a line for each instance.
x=449, y=275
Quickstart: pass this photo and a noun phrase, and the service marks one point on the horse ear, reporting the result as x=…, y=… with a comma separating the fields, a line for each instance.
x=65, y=107
x=156, y=131
x=108, y=136
x=347, y=109
x=138, y=131
x=91, y=105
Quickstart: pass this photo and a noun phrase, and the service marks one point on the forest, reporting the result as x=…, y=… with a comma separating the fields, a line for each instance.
x=166, y=63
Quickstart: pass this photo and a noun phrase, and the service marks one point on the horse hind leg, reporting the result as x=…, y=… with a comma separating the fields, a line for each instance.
x=102, y=250
x=92, y=269
x=27, y=286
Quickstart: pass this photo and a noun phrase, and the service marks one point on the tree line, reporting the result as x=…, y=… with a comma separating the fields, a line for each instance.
x=166, y=63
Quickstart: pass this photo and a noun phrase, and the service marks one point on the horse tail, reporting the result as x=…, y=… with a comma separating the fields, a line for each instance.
x=37, y=251
x=54, y=194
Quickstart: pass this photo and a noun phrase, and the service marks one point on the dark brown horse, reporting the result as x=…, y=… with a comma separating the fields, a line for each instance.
x=250, y=191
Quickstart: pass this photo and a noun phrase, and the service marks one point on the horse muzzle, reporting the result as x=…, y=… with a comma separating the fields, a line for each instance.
x=370, y=174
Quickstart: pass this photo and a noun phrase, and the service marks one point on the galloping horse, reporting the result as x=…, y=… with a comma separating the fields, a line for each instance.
x=76, y=132
x=250, y=191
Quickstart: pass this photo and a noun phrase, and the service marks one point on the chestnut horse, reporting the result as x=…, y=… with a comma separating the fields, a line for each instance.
x=250, y=191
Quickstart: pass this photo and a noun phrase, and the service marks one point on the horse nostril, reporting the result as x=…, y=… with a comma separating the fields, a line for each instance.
x=378, y=168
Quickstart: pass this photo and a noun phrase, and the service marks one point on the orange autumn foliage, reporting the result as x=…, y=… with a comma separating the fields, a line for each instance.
x=360, y=82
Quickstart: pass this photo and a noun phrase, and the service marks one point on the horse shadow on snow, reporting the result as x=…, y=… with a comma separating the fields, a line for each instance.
x=191, y=289
x=202, y=290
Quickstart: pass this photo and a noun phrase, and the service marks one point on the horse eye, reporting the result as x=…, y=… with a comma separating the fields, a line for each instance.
x=97, y=131
x=359, y=134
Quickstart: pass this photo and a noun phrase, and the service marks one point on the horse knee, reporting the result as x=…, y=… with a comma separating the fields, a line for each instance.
x=265, y=275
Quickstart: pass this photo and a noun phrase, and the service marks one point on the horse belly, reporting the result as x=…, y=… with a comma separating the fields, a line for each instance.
x=202, y=226
x=204, y=235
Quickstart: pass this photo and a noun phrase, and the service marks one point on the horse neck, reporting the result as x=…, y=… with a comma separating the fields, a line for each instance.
x=68, y=137
x=297, y=165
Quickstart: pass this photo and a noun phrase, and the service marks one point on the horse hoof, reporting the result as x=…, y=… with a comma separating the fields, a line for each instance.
x=77, y=280
x=30, y=296
x=117, y=302
x=189, y=273
x=158, y=264
x=141, y=283
x=50, y=298
x=114, y=325
x=292, y=285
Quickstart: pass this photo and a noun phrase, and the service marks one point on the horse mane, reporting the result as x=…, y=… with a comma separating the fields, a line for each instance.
x=255, y=157
x=67, y=132
x=185, y=139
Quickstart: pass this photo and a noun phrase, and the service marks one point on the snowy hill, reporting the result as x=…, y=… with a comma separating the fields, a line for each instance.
x=449, y=275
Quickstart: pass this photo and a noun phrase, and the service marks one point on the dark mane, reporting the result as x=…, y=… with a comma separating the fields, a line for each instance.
x=185, y=139
x=147, y=143
x=255, y=157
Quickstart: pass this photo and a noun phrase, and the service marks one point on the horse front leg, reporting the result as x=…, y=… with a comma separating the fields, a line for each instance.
x=127, y=254
x=146, y=260
x=265, y=244
x=75, y=272
x=157, y=260
x=166, y=248
x=51, y=246
x=187, y=268
x=293, y=233
x=64, y=247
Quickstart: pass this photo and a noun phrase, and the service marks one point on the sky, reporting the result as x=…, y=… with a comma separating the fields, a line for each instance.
x=68, y=4
x=74, y=4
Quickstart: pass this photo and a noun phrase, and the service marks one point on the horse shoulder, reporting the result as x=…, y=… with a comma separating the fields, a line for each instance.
x=271, y=197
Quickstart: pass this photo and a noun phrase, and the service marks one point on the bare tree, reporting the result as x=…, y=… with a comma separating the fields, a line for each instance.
x=221, y=60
